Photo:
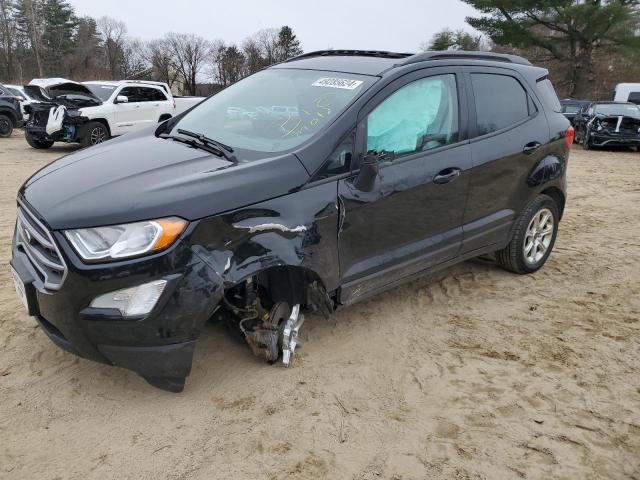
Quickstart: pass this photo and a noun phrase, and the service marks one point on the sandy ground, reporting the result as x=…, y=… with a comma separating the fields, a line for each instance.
x=474, y=373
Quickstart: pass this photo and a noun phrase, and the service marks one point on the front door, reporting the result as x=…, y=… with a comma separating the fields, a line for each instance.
x=412, y=219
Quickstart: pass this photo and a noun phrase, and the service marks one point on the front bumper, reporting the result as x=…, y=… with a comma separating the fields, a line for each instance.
x=159, y=346
x=600, y=140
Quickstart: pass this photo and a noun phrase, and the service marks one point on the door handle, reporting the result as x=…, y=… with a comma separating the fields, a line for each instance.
x=447, y=175
x=137, y=106
x=531, y=147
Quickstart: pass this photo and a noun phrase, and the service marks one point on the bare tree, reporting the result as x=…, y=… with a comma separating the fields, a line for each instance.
x=31, y=23
x=253, y=55
x=7, y=36
x=134, y=61
x=190, y=54
x=158, y=54
x=267, y=39
x=113, y=34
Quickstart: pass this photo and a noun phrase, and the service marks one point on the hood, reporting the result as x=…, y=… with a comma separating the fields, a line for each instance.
x=140, y=177
x=48, y=89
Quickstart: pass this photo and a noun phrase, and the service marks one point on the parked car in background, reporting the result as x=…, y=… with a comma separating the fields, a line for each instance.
x=25, y=99
x=396, y=165
x=10, y=112
x=180, y=103
x=612, y=124
x=67, y=111
x=571, y=107
x=627, y=92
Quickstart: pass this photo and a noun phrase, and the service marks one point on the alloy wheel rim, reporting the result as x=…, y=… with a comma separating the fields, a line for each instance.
x=538, y=236
x=97, y=135
x=4, y=127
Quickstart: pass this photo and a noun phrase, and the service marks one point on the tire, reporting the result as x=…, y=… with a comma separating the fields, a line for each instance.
x=96, y=133
x=39, y=144
x=586, y=144
x=514, y=257
x=6, y=126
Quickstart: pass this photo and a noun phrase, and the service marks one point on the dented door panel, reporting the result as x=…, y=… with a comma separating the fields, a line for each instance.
x=406, y=224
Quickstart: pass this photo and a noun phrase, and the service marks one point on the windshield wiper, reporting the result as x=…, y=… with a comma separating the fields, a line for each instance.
x=226, y=151
x=202, y=146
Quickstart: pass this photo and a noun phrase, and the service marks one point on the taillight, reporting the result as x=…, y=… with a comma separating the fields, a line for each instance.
x=568, y=137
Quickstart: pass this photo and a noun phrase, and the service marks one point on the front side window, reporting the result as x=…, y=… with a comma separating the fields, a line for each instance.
x=500, y=101
x=274, y=110
x=131, y=93
x=419, y=116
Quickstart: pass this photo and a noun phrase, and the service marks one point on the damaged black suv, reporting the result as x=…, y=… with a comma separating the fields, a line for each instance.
x=310, y=185
x=608, y=124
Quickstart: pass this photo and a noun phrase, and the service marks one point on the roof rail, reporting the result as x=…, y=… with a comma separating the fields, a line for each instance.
x=464, y=55
x=353, y=53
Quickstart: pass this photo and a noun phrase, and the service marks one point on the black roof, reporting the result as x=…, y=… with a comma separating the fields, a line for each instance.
x=373, y=62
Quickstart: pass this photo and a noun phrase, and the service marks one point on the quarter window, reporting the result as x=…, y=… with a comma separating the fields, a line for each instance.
x=500, y=102
x=419, y=116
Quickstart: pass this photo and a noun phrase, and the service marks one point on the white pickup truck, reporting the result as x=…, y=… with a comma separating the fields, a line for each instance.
x=92, y=112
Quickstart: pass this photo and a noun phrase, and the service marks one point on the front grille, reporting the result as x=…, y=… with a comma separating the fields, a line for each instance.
x=35, y=240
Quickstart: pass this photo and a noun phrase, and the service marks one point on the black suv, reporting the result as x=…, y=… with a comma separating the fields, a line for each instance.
x=310, y=185
x=10, y=112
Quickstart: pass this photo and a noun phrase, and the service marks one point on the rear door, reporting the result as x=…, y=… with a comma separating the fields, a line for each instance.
x=153, y=103
x=129, y=116
x=510, y=135
x=413, y=217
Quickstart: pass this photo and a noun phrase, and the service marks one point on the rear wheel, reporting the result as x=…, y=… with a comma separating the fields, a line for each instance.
x=533, y=239
x=96, y=133
x=6, y=126
x=35, y=143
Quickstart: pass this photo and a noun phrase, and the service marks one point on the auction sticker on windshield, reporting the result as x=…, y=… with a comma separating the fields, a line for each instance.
x=344, y=83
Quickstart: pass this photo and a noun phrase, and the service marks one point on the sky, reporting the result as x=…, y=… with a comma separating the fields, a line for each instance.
x=339, y=24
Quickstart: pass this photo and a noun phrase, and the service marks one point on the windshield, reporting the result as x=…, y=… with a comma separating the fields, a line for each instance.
x=16, y=92
x=103, y=92
x=617, y=109
x=274, y=110
x=571, y=108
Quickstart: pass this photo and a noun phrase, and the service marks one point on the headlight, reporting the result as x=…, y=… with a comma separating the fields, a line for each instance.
x=127, y=240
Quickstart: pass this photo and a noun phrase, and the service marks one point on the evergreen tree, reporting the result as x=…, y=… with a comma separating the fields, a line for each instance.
x=570, y=30
x=447, y=39
x=58, y=33
x=288, y=44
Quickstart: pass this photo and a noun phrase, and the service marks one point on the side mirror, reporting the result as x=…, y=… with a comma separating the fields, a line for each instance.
x=368, y=173
x=122, y=99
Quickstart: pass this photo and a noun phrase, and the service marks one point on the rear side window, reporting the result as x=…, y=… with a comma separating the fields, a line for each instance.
x=500, y=101
x=419, y=116
x=151, y=95
x=634, y=97
x=548, y=95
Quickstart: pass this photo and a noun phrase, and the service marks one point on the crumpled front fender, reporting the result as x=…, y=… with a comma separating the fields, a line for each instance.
x=298, y=230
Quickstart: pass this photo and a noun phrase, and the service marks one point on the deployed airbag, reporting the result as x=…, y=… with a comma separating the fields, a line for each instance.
x=56, y=116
